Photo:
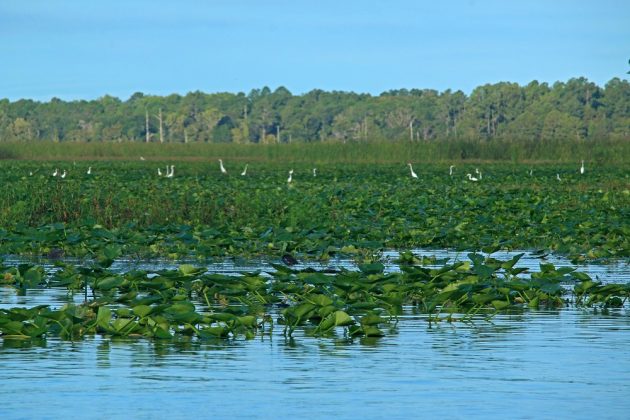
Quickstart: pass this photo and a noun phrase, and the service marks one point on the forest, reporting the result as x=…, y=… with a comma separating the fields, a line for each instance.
x=576, y=109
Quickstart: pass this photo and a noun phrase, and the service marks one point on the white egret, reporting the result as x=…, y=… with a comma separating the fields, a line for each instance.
x=478, y=172
x=244, y=170
x=89, y=171
x=223, y=171
x=290, y=176
x=582, y=168
x=172, y=172
x=30, y=173
x=314, y=172
x=63, y=175
x=531, y=172
x=413, y=174
x=450, y=170
x=141, y=158
x=471, y=178
x=558, y=177
x=56, y=172
x=159, y=172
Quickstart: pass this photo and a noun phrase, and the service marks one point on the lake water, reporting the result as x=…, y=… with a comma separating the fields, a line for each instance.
x=569, y=363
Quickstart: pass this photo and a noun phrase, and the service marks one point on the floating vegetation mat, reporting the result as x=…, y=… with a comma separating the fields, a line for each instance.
x=193, y=303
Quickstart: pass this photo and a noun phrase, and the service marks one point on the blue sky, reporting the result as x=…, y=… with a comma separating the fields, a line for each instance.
x=77, y=49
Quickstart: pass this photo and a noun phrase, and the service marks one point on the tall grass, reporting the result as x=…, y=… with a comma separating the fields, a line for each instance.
x=603, y=152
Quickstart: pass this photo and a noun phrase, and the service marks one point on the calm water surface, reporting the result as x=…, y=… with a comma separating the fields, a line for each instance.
x=565, y=364
x=569, y=363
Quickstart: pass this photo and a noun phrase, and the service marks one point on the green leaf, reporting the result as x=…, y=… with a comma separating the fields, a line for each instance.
x=500, y=304
x=507, y=265
x=214, y=332
x=320, y=300
x=342, y=319
x=108, y=283
x=142, y=310
x=191, y=270
x=103, y=317
x=374, y=268
x=32, y=277
x=371, y=319
x=372, y=331
x=112, y=252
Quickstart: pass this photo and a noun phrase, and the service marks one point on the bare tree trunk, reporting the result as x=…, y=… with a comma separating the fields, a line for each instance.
x=411, y=130
x=365, y=128
x=488, y=124
x=146, y=121
x=185, y=136
x=159, y=117
x=278, y=134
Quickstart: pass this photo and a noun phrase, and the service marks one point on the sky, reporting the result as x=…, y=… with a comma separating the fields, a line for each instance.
x=77, y=49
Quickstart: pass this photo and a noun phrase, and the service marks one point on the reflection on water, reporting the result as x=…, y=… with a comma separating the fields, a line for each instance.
x=567, y=363
x=543, y=364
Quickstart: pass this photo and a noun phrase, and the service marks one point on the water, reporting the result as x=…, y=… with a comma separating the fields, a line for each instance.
x=566, y=363
x=615, y=271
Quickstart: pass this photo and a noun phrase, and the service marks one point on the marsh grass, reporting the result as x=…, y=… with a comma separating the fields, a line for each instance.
x=601, y=152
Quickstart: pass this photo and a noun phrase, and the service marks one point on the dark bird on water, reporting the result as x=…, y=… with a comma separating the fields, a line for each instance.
x=288, y=259
x=55, y=253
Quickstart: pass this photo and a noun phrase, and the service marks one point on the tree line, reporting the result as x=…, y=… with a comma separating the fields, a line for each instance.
x=576, y=109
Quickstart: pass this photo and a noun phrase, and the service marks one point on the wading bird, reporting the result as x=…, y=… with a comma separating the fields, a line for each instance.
x=413, y=174
x=56, y=172
x=478, y=172
x=314, y=172
x=223, y=171
x=172, y=172
x=558, y=177
x=89, y=171
x=582, y=168
x=471, y=178
x=159, y=172
x=63, y=175
x=290, y=176
x=450, y=170
x=141, y=158
x=244, y=170
x=531, y=172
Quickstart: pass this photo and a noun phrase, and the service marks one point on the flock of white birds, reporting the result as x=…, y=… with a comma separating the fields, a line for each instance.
x=169, y=172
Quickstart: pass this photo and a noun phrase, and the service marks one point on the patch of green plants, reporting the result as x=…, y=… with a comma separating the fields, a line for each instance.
x=350, y=209
x=190, y=302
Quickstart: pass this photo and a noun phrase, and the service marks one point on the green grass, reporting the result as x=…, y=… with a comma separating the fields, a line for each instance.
x=600, y=152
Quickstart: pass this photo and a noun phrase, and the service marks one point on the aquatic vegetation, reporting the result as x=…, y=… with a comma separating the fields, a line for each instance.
x=124, y=210
x=191, y=302
x=354, y=210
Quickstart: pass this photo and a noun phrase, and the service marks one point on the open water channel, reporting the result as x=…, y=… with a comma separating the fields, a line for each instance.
x=566, y=363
